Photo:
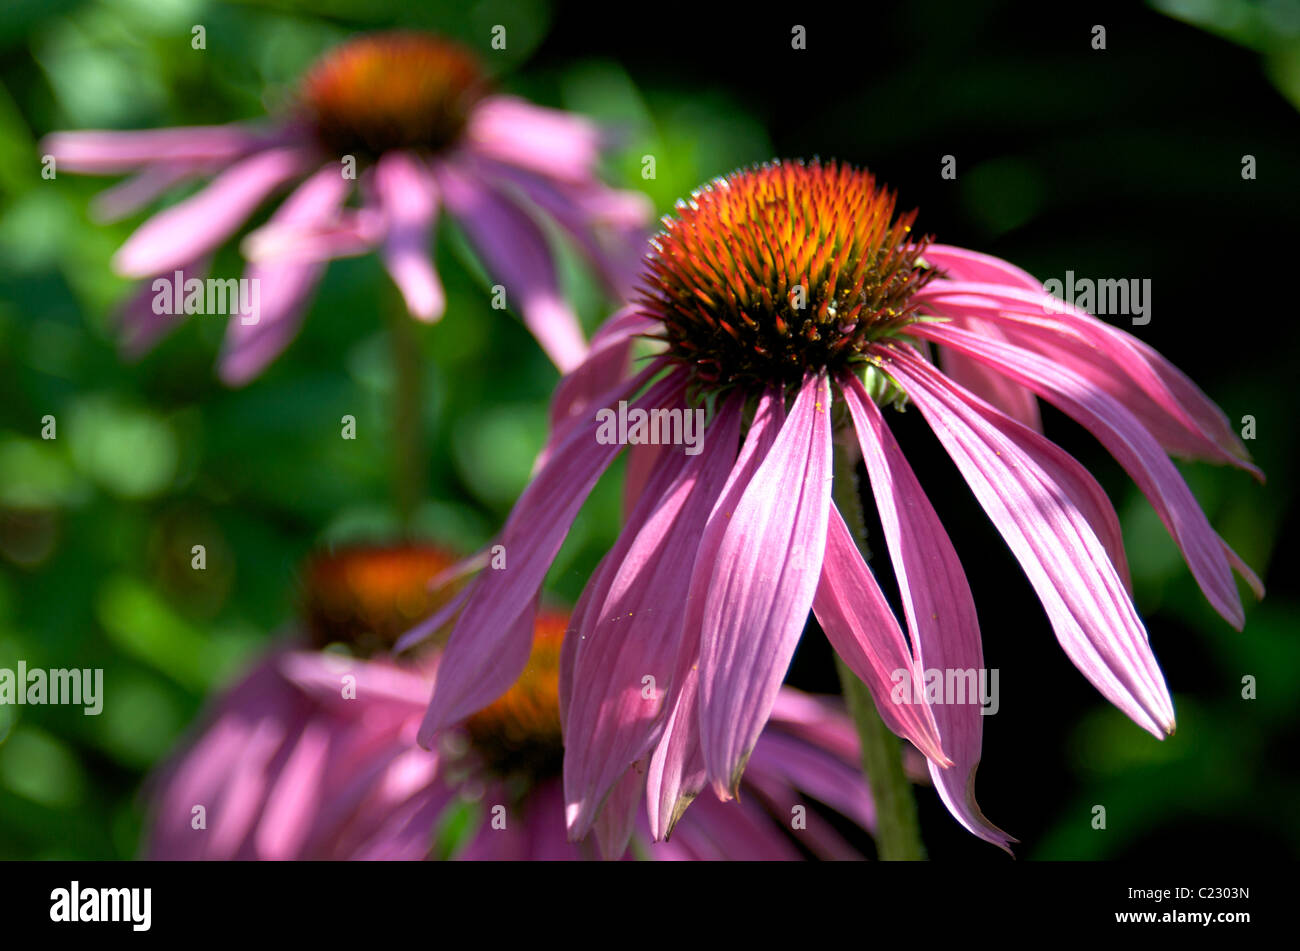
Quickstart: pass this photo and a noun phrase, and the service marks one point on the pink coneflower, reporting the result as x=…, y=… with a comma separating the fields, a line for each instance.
x=790, y=301
x=313, y=754
x=413, y=120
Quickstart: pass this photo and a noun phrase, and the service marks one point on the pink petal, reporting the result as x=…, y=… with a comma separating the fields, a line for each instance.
x=200, y=223
x=111, y=153
x=1085, y=599
x=676, y=770
x=320, y=675
x=285, y=287
x=139, y=327
x=994, y=388
x=635, y=631
x=548, y=141
x=1130, y=444
x=515, y=252
x=134, y=193
x=492, y=640
x=936, y=601
x=617, y=817
x=963, y=265
x=408, y=197
x=610, y=227
x=1116, y=359
x=857, y=620
x=291, y=806
x=816, y=773
x=349, y=233
x=766, y=575
x=605, y=364
x=739, y=831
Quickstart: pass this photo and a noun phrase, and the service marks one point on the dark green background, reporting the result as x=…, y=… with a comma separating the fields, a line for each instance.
x=1116, y=163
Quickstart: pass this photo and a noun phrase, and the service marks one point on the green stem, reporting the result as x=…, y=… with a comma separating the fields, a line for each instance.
x=898, y=832
x=408, y=447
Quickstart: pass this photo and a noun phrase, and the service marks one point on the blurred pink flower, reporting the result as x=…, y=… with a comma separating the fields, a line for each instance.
x=798, y=280
x=287, y=767
x=312, y=755
x=410, y=117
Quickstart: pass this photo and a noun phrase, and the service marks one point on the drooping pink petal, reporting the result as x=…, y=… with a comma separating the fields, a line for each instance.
x=1131, y=445
x=136, y=192
x=200, y=223
x=139, y=325
x=285, y=286
x=111, y=153
x=554, y=143
x=592, y=600
x=858, y=622
x=617, y=819
x=636, y=631
x=605, y=364
x=781, y=799
x=964, y=265
x=675, y=774
x=1120, y=360
x=320, y=675
x=766, y=574
x=408, y=197
x=432, y=624
x=1085, y=599
x=291, y=804
x=937, y=603
x=676, y=771
x=641, y=460
x=233, y=812
x=994, y=388
x=544, y=819
x=1245, y=571
x=492, y=640
x=609, y=226
x=740, y=831
x=351, y=232
x=515, y=252
x=826, y=778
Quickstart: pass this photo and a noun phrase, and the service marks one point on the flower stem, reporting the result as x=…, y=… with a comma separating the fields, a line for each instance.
x=408, y=447
x=898, y=832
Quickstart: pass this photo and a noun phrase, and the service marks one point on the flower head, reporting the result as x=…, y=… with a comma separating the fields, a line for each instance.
x=391, y=91
x=409, y=121
x=761, y=277
x=779, y=294
x=313, y=755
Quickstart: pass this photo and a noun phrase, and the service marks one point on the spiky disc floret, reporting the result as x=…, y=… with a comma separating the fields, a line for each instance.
x=785, y=267
x=391, y=91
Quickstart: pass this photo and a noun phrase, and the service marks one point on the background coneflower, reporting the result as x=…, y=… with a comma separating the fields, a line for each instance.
x=411, y=119
x=312, y=755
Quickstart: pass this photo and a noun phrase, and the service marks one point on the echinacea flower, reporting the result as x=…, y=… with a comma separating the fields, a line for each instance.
x=409, y=118
x=313, y=754
x=790, y=302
